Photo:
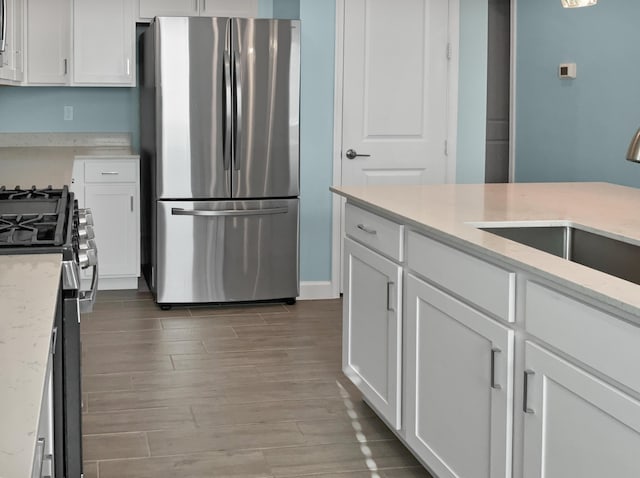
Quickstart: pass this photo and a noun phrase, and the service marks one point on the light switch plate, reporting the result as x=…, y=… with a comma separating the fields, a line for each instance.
x=68, y=113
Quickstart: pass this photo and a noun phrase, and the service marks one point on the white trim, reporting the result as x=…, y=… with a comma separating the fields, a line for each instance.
x=512, y=95
x=452, y=90
x=337, y=203
x=452, y=126
x=311, y=290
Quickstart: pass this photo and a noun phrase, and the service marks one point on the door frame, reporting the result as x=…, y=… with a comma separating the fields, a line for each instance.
x=452, y=128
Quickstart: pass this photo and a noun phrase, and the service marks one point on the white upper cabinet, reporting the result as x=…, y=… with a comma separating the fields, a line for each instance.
x=80, y=42
x=103, y=43
x=205, y=8
x=229, y=8
x=48, y=27
x=168, y=8
x=11, y=67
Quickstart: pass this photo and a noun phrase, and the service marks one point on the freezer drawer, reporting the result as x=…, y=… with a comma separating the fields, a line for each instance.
x=224, y=251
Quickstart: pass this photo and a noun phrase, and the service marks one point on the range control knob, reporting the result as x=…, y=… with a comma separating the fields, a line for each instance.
x=87, y=258
x=85, y=244
x=85, y=217
x=86, y=232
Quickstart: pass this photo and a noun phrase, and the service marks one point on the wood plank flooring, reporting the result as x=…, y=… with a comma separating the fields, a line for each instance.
x=247, y=391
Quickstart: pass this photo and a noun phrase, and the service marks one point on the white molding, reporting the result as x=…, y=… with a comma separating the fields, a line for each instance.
x=311, y=290
x=337, y=202
x=452, y=87
x=512, y=94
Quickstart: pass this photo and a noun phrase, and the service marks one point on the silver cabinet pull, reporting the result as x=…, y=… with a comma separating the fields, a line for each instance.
x=131, y=203
x=3, y=27
x=525, y=399
x=494, y=385
x=228, y=212
x=109, y=173
x=389, y=307
x=65, y=64
x=366, y=229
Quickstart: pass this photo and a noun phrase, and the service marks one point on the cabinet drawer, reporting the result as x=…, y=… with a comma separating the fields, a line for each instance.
x=376, y=232
x=601, y=340
x=110, y=171
x=481, y=283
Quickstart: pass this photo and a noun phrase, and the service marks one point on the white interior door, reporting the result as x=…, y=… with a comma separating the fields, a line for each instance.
x=395, y=87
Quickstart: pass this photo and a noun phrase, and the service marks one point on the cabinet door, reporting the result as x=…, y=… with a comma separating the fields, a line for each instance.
x=10, y=58
x=103, y=42
x=458, y=370
x=575, y=424
x=372, y=328
x=160, y=8
x=229, y=8
x=115, y=216
x=48, y=26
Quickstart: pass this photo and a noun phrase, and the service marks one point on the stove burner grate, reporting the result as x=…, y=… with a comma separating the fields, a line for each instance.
x=33, y=193
x=30, y=229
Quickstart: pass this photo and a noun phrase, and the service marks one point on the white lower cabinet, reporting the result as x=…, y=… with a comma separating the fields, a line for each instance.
x=459, y=385
x=111, y=189
x=576, y=425
x=372, y=328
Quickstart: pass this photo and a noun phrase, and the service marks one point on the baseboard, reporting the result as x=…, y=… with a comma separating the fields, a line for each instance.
x=311, y=290
x=112, y=283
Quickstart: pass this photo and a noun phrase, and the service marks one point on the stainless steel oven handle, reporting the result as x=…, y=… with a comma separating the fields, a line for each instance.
x=88, y=297
x=229, y=212
x=36, y=472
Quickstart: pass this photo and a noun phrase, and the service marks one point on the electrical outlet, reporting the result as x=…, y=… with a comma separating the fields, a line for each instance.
x=68, y=113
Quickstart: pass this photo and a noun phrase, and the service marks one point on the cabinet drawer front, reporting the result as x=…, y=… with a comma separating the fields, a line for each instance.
x=111, y=171
x=376, y=232
x=596, y=338
x=485, y=285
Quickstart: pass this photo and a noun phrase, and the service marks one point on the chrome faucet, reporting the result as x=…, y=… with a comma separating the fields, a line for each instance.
x=633, y=153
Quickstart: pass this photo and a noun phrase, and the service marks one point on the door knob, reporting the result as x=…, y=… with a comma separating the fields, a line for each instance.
x=351, y=154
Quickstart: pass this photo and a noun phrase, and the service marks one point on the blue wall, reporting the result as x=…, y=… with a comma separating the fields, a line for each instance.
x=472, y=91
x=37, y=109
x=577, y=130
x=316, y=137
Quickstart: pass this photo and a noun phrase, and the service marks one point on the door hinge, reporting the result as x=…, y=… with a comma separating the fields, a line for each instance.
x=448, y=51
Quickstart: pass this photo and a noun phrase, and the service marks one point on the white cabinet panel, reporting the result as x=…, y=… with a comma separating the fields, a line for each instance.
x=458, y=370
x=376, y=232
x=576, y=425
x=48, y=42
x=115, y=203
x=104, y=42
x=11, y=67
x=229, y=8
x=169, y=8
x=116, y=227
x=372, y=328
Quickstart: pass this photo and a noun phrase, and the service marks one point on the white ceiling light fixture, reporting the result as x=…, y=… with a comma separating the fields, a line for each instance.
x=578, y=3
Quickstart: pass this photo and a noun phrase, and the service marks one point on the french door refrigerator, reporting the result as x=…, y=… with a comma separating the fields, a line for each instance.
x=220, y=148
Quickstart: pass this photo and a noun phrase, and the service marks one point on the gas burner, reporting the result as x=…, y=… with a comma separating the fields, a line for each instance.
x=33, y=193
x=29, y=229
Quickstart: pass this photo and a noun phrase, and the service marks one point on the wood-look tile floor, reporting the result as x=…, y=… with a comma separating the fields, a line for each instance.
x=246, y=391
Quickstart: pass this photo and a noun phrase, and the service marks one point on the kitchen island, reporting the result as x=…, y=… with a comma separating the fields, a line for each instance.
x=498, y=359
x=29, y=294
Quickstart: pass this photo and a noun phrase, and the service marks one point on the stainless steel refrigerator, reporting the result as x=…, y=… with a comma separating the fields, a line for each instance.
x=220, y=153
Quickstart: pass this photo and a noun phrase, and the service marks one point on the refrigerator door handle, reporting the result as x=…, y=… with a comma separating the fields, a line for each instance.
x=176, y=211
x=238, y=78
x=228, y=113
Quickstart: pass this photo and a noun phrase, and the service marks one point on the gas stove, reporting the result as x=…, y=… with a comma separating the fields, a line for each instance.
x=44, y=221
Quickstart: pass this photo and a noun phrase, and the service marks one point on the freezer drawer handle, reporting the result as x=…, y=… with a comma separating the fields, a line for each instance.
x=176, y=211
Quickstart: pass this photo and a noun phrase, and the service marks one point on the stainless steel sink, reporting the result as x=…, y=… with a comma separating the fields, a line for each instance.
x=611, y=256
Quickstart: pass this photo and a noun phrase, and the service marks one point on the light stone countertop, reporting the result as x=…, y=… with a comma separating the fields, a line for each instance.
x=28, y=296
x=447, y=210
